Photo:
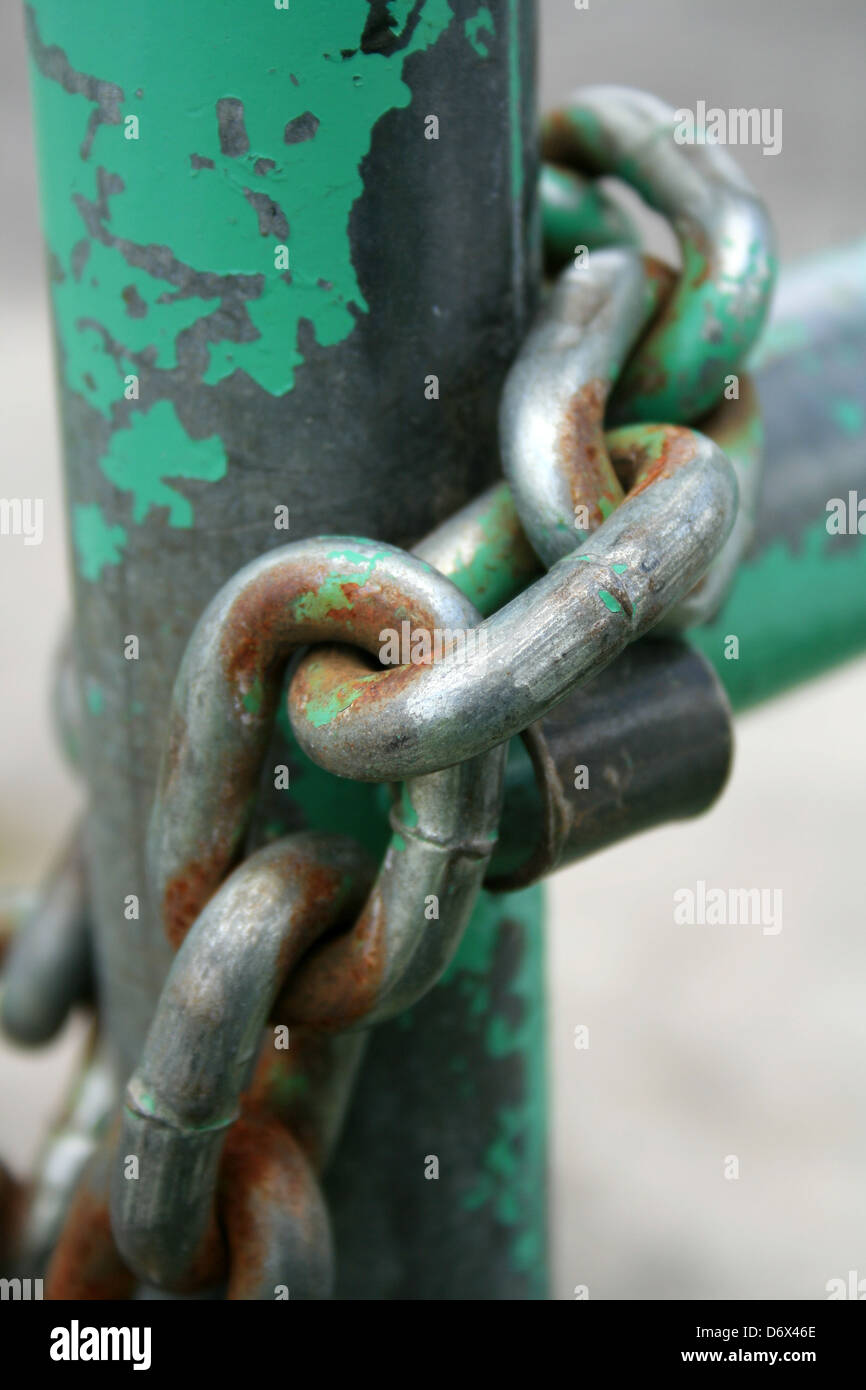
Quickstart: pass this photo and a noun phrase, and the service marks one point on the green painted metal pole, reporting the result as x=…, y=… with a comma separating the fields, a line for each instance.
x=268, y=226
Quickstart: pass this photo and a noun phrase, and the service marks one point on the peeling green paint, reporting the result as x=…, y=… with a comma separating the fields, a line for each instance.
x=96, y=543
x=474, y=26
x=514, y=1151
x=323, y=706
x=133, y=296
x=720, y=303
x=132, y=283
x=154, y=448
x=331, y=594
x=673, y=381
x=366, y=563
x=609, y=601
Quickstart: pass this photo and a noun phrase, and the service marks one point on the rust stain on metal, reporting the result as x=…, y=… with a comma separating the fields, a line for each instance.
x=639, y=465
x=582, y=452
x=662, y=276
x=289, y=1085
x=86, y=1263
x=333, y=670
x=262, y=621
x=186, y=894
x=340, y=982
x=263, y=1168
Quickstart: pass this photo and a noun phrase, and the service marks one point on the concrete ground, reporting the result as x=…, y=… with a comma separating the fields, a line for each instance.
x=707, y=1044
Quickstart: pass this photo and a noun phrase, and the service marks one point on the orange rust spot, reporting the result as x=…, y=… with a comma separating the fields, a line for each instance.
x=635, y=470
x=332, y=668
x=317, y=893
x=255, y=620
x=663, y=276
x=582, y=452
x=263, y=1167
x=86, y=1263
x=339, y=982
x=186, y=894
x=261, y=630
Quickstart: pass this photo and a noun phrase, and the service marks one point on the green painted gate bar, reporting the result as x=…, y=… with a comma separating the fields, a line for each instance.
x=798, y=604
x=258, y=253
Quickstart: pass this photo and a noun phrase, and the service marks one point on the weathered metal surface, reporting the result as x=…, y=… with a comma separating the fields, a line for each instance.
x=202, y=1050
x=258, y=387
x=718, y=308
x=567, y=626
x=49, y=966
x=487, y=1177
x=67, y=1149
x=223, y=706
x=554, y=450
x=554, y=403
x=737, y=427
x=85, y=1263
x=655, y=724
x=212, y=371
x=577, y=212
x=798, y=603
x=648, y=741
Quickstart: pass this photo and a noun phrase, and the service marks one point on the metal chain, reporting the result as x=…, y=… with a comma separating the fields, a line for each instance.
x=638, y=524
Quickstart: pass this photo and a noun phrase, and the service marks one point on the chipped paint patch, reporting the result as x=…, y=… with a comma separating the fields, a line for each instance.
x=126, y=227
x=509, y=1027
x=154, y=448
x=474, y=29
x=96, y=543
x=609, y=601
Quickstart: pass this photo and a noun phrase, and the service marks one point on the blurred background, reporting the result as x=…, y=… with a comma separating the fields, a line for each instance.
x=704, y=1042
